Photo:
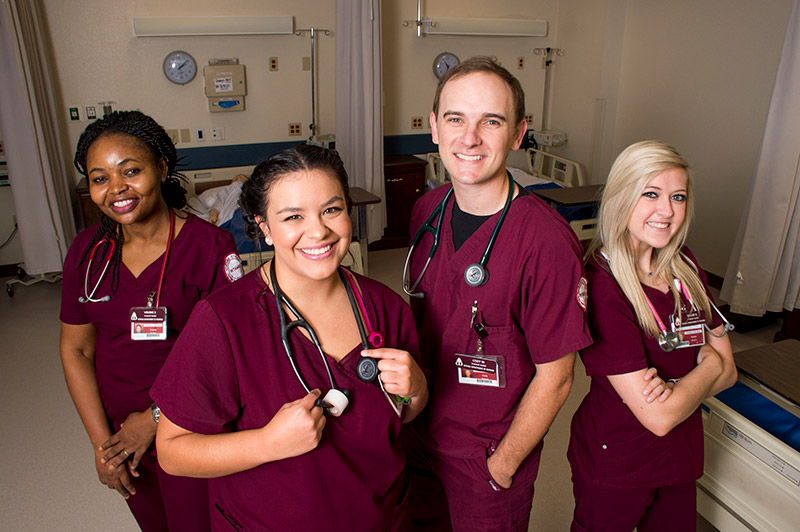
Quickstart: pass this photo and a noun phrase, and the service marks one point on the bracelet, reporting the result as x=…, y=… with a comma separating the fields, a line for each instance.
x=673, y=381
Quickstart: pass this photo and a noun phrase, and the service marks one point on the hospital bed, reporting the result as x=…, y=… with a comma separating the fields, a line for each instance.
x=545, y=170
x=752, y=445
x=201, y=187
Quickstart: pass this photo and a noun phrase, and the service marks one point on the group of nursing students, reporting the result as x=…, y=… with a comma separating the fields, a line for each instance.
x=264, y=391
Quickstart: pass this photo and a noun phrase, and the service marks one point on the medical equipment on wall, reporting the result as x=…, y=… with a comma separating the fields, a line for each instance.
x=225, y=85
x=476, y=273
x=485, y=27
x=546, y=137
x=313, y=31
x=335, y=400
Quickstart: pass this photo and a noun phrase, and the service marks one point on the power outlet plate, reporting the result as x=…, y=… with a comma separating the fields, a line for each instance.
x=416, y=122
x=218, y=133
x=295, y=129
x=273, y=64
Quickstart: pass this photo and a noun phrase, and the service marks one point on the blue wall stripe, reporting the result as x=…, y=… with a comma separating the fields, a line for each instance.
x=250, y=154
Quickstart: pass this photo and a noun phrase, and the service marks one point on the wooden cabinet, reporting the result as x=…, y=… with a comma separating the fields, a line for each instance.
x=89, y=211
x=404, y=177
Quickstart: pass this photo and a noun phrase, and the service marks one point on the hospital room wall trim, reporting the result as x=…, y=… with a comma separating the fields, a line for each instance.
x=250, y=154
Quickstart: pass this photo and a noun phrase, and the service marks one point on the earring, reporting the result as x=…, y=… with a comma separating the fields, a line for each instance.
x=268, y=240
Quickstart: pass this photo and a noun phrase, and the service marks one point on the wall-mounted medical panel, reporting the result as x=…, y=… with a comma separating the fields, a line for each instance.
x=226, y=87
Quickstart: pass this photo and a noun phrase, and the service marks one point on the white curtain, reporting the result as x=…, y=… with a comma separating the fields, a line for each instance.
x=764, y=271
x=359, y=106
x=28, y=110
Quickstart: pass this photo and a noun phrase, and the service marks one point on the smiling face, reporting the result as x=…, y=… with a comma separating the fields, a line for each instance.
x=660, y=211
x=475, y=128
x=124, y=178
x=308, y=224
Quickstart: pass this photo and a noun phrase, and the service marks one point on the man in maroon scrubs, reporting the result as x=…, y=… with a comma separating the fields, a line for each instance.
x=500, y=344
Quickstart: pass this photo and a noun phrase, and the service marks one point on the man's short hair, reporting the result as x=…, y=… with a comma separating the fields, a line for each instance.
x=489, y=66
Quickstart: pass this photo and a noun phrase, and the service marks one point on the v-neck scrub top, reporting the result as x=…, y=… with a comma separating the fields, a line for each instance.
x=608, y=445
x=229, y=372
x=532, y=307
x=126, y=368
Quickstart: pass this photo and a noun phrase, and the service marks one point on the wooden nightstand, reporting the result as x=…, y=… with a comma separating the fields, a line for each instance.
x=404, y=180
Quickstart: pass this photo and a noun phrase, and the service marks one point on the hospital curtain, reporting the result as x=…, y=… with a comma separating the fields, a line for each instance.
x=359, y=106
x=34, y=152
x=764, y=270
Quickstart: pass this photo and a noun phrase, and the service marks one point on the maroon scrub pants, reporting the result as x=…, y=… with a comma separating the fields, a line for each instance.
x=601, y=509
x=450, y=494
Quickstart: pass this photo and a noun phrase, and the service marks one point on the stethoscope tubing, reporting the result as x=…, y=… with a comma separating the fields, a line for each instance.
x=112, y=247
x=438, y=213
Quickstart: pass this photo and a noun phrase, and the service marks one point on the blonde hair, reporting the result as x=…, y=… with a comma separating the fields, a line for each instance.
x=632, y=171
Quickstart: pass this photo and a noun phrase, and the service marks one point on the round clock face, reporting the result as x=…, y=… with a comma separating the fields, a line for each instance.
x=180, y=67
x=444, y=62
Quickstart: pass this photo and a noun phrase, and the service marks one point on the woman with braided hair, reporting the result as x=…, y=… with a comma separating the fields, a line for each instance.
x=129, y=285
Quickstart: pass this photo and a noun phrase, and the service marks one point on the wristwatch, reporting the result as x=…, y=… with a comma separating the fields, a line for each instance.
x=156, y=412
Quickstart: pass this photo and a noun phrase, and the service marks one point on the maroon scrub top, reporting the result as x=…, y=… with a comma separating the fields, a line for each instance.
x=229, y=372
x=533, y=308
x=608, y=446
x=125, y=368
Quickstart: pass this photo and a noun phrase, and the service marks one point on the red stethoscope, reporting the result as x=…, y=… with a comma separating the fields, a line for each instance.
x=112, y=246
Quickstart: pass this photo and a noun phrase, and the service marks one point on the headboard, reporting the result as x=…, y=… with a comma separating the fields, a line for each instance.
x=557, y=169
x=198, y=181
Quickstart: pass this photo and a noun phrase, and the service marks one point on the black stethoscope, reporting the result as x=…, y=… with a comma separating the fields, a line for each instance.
x=476, y=273
x=112, y=246
x=335, y=400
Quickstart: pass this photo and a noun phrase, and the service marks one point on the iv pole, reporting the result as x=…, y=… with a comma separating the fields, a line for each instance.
x=548, y=61
x=313, y=125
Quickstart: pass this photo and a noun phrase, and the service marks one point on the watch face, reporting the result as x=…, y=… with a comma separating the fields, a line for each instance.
x=444, y=62
x=180, y=67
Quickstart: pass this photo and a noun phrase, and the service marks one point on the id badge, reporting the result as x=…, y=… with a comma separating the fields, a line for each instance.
x=692, y=331
x=481, y=370
x=148, y=323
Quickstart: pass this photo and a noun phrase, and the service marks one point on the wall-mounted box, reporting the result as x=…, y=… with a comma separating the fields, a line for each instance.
x=225, y=87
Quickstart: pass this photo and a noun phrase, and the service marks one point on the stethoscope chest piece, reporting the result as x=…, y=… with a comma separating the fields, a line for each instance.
x=668, y=341
x=367, y=369
x=476, y=275
x=337, y=401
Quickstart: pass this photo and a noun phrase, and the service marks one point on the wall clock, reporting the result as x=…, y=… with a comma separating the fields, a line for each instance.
x=444, y=62
x=180, y=67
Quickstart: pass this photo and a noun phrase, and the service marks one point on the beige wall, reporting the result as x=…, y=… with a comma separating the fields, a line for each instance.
x=696, y=74
x=98, y=59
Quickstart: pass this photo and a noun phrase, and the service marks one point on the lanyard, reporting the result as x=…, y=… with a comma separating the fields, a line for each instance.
x=164, y=262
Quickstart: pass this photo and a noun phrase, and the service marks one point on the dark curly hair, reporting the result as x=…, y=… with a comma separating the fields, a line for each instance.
x=255, y=191
x=155, y=139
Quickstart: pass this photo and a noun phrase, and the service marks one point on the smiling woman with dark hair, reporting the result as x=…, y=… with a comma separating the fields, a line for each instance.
x=129, y=285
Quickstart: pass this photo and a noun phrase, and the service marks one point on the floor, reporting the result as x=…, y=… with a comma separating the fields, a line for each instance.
x=48, y=480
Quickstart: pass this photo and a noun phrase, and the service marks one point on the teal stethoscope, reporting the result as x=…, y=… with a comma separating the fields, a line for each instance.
x=476, y=273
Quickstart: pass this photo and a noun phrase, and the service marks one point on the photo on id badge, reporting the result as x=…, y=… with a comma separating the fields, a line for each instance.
x=481, y=370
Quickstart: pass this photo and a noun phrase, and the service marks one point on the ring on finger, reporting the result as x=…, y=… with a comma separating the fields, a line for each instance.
x=126, y=452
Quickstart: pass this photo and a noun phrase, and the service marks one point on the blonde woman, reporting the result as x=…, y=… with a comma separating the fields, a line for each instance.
x=635, y=461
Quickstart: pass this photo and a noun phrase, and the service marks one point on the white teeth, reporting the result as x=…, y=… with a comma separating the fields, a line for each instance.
x=122, y=203
x=316, y=251
x=658, y=225
x=469, y=157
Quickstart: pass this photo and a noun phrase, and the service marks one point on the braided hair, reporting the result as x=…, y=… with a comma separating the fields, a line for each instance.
x=156, y=140
x=255, y=191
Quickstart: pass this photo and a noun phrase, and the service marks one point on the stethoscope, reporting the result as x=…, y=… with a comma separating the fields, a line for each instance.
x=335, y=400
x=476, y=273
x=669, y=340
x=112, y=246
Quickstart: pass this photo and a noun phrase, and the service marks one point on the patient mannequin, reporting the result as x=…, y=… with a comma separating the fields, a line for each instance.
x=227, y=201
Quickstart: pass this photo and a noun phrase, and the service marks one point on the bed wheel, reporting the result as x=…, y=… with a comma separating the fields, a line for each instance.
x=9, y=290
x=21, y=273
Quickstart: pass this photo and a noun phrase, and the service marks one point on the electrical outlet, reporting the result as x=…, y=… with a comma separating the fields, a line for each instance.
x=217, y=133
x=273, y=64
x=416, y=122
x=295, y=129
x=91, y=112
x=73, y=113
x=520, y=63
x=529, y=119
